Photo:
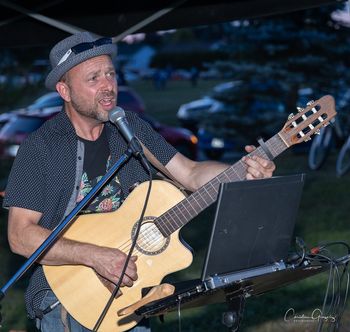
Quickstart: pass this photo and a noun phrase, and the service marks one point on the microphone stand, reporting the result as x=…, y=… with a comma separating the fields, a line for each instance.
x=64, y=223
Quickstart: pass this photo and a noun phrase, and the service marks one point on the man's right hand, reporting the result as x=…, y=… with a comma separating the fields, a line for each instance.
x=25, y=236
x=109, y=263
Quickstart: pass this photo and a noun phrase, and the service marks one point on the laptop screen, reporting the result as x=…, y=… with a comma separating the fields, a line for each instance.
x=254, y=224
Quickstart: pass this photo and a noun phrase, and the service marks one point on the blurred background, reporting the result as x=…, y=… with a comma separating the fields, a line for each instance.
x=209, y=90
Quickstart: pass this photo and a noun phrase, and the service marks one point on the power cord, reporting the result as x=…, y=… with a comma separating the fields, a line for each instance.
x=179, y=314
x=297, y=258
x=333, y=305
x=39, y=313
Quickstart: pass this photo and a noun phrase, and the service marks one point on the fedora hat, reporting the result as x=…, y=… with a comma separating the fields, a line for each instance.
x=73, y=50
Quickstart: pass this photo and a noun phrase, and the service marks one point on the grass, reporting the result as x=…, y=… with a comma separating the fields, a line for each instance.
x=323, y=216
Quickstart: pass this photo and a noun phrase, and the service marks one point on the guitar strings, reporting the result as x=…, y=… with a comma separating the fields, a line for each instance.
x=148, y=233
x=274, y=144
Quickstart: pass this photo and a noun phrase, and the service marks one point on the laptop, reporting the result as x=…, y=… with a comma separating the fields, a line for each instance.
x=251, y=235
x=253, y=225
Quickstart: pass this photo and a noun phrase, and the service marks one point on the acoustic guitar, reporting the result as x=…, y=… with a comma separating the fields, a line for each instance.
x=159, y=248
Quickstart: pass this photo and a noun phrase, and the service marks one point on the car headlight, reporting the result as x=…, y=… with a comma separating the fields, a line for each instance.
x=217, y=143
x=12, y=150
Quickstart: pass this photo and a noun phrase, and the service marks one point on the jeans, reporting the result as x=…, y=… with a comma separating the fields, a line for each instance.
x=52, y=321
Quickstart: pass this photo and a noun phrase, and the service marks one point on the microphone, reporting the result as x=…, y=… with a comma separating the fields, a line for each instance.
x=117, y=116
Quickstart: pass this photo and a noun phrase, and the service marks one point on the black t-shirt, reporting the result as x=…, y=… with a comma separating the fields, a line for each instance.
x=96, y=164
x=96, y=155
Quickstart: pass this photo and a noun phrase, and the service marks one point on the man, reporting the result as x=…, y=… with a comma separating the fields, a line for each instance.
x=59, y=163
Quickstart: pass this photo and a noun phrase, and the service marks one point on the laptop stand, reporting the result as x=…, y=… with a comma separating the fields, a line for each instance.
x=227, y=279
x=233, y=290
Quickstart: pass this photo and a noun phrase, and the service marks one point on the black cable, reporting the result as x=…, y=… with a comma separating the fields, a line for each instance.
x=138, y=228
x=333, y=302
x=328, y=244
x=340, y=307
x=320, y=323
x=345, y=296
x=39, y=313
x=300, y=244
x=335, y=307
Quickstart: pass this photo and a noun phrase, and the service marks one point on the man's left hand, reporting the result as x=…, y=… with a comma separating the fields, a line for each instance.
x=258, y=168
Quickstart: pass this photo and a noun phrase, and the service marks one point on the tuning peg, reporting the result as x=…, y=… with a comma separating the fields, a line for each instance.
x=307, y=139
x=317, y=132
x=290, y=116
x=310, y=102
x=299, y=109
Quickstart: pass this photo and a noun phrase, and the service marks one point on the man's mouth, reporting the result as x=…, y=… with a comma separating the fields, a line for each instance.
x=107, y=102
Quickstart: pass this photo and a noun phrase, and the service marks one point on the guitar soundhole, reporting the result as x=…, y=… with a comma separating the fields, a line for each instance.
x=150, y=241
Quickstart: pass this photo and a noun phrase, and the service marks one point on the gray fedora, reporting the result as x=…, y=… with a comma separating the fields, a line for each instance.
x=73, y=50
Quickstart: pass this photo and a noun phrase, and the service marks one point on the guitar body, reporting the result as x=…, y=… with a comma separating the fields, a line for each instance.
x=78, y=287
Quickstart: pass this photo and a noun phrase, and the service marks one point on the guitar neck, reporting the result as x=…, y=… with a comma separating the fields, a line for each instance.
x=191, y=206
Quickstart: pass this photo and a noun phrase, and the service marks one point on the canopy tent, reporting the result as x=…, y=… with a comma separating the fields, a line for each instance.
x=43, y=22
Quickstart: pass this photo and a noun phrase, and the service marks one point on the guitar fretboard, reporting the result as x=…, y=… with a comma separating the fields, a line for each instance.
x=191, y=206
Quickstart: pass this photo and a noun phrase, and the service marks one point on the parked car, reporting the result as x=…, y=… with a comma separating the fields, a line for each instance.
x=230, y=126
x=45, y=102
x=192, y=113
x=18, y=124
x=17, y=129
x=236, y=113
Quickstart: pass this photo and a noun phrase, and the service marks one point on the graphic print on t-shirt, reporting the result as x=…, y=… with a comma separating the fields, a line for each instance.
x=97, y=161
x=108, y=199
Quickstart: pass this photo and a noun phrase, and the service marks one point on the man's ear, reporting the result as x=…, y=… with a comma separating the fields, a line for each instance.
x=63, y=89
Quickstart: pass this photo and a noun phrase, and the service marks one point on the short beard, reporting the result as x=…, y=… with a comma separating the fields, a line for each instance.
x=91, y=112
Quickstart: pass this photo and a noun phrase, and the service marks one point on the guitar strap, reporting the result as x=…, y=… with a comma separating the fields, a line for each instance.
x=164, y=173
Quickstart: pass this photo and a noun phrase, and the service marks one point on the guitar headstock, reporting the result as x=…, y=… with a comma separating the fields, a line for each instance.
x=308, y=121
